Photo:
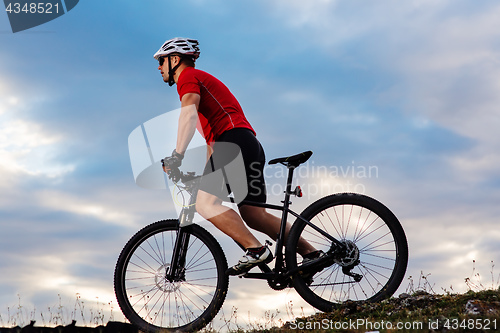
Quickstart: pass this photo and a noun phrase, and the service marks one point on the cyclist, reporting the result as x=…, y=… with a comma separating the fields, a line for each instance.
x=207, y=100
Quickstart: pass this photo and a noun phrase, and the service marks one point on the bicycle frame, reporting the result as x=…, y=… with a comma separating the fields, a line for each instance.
x=175, y=273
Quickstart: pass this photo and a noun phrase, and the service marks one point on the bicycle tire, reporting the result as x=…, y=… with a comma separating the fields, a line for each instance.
x=154, y=304
x=380, y=241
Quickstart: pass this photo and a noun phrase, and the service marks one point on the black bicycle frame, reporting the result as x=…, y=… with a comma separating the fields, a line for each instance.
x=285, y=209
x=181, y=245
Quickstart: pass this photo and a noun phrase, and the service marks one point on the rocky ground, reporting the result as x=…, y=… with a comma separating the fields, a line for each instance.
x=111, y=327
x=419, y=312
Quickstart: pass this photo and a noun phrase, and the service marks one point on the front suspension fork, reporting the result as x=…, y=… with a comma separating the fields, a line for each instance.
x=176, y=270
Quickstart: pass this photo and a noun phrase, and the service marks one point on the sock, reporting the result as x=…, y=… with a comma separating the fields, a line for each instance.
x=257, y=250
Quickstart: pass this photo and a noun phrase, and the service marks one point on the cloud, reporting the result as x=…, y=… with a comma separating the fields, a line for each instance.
x=434, y=63
x=26, y=147
x=66, y=202
x=408, y=87
x=62, y=226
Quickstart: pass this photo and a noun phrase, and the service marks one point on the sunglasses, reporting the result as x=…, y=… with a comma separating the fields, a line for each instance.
x=161, y=60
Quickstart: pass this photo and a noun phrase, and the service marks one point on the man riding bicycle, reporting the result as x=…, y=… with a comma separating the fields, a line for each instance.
x=207, y=101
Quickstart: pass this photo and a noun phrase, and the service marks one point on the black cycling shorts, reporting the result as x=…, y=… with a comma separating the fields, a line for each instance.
x=240, y=140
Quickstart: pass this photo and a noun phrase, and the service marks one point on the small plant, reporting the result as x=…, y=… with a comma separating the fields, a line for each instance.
x=59, y=314
x=475, y=283
x=423, y=285
x=420, y=304
x=228, y=322
x=18, y=317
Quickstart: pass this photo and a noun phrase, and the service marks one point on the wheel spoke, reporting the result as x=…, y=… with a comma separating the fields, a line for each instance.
x=154, y=300
x=375, y=248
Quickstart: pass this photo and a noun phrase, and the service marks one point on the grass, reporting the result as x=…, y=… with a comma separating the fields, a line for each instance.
x=415, y=312
x=420, y=304
x=419, y=309
x=98, y=313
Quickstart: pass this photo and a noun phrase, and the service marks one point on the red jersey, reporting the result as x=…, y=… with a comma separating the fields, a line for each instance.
x=219, y=110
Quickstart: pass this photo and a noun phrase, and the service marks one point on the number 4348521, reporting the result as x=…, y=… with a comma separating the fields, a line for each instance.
x=32, y=8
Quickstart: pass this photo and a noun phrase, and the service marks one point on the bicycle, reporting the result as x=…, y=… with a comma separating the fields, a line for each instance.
x=170, y=276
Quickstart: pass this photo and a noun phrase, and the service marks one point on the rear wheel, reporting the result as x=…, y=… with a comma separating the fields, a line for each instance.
x=374, y=263
x=153, y=303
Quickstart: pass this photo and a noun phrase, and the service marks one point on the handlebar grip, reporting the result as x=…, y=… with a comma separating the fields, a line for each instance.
x=176, y=175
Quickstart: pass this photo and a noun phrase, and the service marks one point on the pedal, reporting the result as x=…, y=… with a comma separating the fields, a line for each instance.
x=242, y=275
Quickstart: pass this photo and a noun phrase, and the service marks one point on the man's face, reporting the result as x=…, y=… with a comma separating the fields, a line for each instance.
x=163, y=65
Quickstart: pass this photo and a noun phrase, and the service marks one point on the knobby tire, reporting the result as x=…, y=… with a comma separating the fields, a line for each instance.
x=154, y=304
x=376, y=233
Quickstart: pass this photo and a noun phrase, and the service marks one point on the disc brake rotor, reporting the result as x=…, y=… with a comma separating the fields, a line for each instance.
x=161, y=280
x=351, y=257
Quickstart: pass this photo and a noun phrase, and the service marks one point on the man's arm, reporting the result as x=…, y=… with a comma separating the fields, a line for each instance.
x=187, y=121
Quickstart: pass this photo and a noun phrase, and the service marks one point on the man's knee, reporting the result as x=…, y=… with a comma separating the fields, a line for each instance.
x=200, y=208
x=208, y=205
x=204, y=204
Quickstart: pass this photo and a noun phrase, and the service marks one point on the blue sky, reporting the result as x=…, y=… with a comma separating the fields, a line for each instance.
x=411, y=88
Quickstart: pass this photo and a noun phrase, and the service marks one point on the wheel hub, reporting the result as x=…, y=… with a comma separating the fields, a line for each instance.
x=351, y=257
x=162, y=282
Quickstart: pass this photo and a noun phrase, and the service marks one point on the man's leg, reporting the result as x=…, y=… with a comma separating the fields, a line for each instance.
x=259, y=219
x=225, y=219
x=230, y=223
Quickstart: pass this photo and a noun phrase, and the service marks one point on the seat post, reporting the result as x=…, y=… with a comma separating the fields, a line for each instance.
x=284, y=216
x=289, y=181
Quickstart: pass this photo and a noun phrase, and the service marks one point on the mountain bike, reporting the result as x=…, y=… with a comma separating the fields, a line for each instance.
x=170, y=276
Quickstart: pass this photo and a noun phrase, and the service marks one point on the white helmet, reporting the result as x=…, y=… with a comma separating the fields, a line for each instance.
x=179, y=45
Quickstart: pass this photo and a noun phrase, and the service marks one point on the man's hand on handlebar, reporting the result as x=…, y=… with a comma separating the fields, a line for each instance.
x=171, y=165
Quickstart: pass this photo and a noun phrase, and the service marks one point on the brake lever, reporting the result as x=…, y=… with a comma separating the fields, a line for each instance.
x=174, y=175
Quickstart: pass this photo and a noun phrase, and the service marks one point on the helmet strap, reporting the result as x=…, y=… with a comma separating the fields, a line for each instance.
x=171, y=71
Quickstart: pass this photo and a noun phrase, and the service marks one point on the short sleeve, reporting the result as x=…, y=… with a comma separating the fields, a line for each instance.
x=188, y=83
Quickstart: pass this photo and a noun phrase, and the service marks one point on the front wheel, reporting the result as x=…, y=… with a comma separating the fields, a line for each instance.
x=155, y=303
x=374, y=261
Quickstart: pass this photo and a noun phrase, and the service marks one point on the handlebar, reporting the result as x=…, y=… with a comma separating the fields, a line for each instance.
x=176, y=175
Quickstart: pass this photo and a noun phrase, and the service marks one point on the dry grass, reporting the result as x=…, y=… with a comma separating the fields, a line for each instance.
x=95, y=314
x=420, y=303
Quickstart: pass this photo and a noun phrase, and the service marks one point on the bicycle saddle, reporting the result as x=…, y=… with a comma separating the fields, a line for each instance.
x=292, y=161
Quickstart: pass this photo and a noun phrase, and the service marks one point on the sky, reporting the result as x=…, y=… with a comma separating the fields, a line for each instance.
x=407, y=90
